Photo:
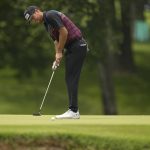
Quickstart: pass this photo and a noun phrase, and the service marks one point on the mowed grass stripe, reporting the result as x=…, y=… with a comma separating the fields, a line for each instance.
x=129, y=127
x=89, y=120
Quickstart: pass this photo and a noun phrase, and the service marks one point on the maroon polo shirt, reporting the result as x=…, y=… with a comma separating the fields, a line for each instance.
x=54, y=20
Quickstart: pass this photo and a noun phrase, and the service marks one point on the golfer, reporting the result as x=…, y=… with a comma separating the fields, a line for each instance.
x=66, y=35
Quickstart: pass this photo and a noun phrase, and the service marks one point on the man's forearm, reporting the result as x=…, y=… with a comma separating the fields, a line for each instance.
x=63, y=33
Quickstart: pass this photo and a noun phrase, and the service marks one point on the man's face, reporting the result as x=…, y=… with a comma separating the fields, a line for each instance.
x=37, y=17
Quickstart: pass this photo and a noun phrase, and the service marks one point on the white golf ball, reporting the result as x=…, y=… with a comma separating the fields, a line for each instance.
x=53, y=118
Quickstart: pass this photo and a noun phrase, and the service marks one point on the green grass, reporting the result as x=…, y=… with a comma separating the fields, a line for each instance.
x=132, y=90
x=29, y=93
x=95, y=132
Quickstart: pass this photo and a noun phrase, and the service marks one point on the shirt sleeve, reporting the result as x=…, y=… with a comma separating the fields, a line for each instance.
x=54, y=20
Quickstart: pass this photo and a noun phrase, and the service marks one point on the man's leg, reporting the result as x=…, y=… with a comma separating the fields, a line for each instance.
x=74, y=62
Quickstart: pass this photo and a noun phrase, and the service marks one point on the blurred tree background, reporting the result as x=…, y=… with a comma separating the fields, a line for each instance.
x=115, y=78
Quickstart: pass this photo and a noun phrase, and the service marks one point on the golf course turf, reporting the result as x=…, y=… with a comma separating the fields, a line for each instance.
x=88, y=132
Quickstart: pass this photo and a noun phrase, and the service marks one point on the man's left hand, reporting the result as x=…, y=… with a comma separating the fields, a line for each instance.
x=55, y=65
x=58, y=58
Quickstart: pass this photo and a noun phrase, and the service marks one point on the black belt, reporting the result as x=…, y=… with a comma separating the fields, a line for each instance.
x=72, y=42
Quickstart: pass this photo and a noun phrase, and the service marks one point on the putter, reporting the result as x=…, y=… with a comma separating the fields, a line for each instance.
x=39, y=112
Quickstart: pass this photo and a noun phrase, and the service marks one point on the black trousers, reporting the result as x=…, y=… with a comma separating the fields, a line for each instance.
x=74, y=58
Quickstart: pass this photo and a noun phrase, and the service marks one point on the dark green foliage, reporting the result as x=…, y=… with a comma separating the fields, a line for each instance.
x=23, y=47
x=27, y=47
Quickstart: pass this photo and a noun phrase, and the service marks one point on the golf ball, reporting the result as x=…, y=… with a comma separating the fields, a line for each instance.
x=53, y=118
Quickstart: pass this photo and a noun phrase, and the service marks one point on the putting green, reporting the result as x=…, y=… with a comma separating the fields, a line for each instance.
x=133, y=127
x=84, y=120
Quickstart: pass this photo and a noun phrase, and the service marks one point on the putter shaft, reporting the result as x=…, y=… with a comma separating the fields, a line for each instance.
x=47, y=90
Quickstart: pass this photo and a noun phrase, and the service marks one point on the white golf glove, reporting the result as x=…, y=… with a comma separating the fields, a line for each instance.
x=55, y=65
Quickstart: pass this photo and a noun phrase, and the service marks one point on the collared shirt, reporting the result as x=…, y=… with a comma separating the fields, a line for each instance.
x=54, y=20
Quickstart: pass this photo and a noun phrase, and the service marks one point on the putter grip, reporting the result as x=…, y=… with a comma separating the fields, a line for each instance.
x=54, y=67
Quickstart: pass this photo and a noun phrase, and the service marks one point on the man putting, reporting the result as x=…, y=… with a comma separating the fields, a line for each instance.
x=66, y=35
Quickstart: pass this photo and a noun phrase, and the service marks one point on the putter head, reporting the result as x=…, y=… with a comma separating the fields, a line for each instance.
x=37, y=114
